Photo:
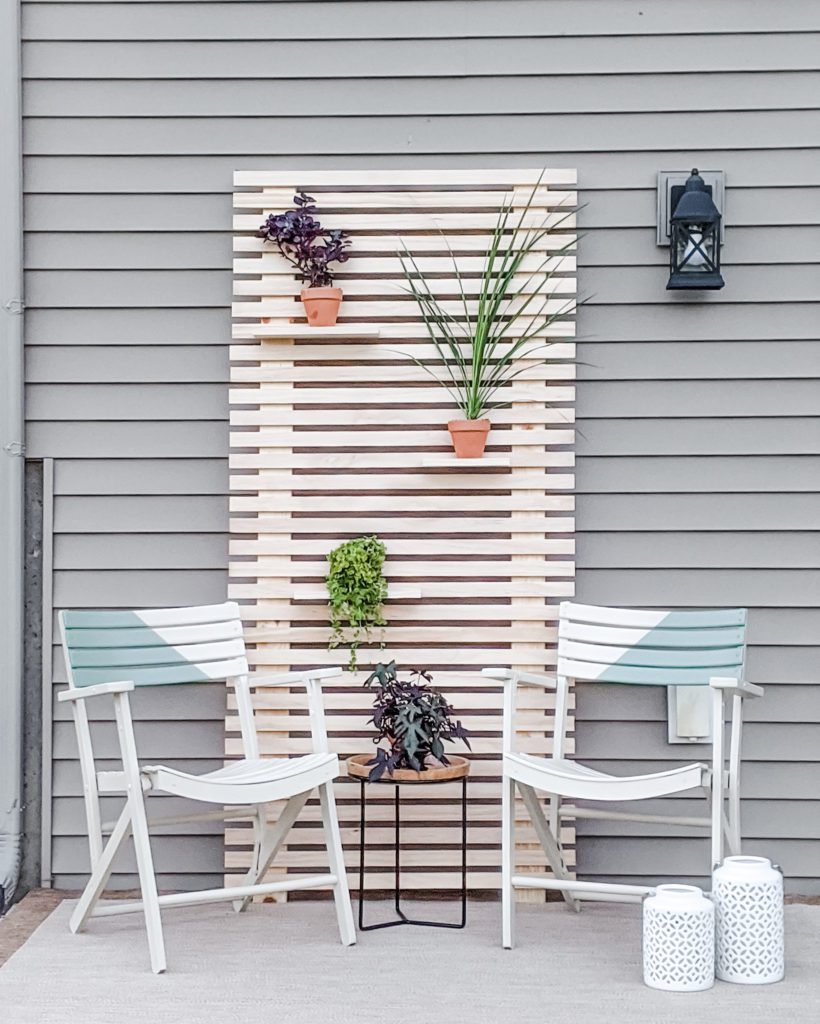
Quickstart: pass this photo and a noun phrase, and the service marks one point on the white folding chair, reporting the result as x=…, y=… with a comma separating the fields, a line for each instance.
x=111, y=653
x=608, y=645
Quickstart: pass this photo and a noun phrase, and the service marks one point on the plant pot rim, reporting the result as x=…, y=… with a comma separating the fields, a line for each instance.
x=358, y=768
x=326, y=290
x=480, y=424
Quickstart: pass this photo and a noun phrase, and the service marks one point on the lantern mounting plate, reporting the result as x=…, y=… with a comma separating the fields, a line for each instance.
x=715, y=182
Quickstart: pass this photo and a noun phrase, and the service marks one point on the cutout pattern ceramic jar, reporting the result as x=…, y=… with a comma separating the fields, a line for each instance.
x=678, y=939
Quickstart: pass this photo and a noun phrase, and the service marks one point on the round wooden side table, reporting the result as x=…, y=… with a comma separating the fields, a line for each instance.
x=458, y=768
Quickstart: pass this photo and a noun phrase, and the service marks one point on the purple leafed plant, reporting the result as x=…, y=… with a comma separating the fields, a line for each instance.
x=304, y=243
x=415, y=720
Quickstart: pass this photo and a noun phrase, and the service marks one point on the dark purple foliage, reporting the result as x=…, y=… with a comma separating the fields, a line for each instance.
x=414, y=718
x=305, y=243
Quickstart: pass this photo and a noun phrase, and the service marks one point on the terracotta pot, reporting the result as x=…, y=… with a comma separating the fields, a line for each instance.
x=469, y=437
x=321, y=305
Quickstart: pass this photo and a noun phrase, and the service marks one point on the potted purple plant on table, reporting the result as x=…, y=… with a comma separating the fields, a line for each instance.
x=415, y=720
x=310, y=248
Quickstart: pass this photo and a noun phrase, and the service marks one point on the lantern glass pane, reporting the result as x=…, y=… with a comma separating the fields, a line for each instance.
x=695, y=248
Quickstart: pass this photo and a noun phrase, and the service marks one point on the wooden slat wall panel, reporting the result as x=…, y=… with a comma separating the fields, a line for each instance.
x=337, y=434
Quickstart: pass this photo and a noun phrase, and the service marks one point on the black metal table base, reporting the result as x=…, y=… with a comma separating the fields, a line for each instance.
x=401, y=917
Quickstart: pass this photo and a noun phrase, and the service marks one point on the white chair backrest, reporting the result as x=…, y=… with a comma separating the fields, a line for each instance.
x=650, y=648
x=154, y=646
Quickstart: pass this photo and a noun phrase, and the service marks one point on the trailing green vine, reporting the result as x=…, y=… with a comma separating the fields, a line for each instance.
x=357, y=590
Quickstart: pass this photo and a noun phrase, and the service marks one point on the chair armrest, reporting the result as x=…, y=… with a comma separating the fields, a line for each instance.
x=293, y=678
x=526, y=678
x=81, y=692
x=736, y=687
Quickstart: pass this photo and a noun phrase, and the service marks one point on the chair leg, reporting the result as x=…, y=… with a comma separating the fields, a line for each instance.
x=148, y=882
x=549, y=842
x=717, y=800
x=102, y=871
x=507, y=863
x=333, y=840
x=269, y=841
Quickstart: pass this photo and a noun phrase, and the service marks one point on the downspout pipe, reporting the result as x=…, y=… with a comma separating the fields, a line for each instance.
x=12, y=453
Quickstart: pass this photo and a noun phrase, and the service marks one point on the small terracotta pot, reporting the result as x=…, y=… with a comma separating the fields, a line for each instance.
x=321, y=305
x=469, y=437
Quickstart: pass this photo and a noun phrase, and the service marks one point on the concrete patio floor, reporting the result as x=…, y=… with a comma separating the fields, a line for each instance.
x=282, y=963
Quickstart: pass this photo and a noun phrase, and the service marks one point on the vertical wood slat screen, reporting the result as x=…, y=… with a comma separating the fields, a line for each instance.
x=337, y=433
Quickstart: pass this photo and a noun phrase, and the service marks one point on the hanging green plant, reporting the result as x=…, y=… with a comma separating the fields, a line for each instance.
x=357, y=590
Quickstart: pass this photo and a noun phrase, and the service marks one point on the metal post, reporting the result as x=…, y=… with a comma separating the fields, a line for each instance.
x=11, y=453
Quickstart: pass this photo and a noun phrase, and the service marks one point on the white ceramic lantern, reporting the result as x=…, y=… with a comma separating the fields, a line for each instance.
x=678, y=939
x=748, y=897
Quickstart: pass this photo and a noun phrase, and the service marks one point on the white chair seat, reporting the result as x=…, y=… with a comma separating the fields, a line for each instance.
x=249, y=781
x=570, y=779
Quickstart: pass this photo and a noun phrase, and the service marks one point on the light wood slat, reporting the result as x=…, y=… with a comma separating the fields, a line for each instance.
x=415, y=177
x=382, y=374
x=410, y=613
x=432, y=570
x=273, y=588
x=268, y=394
x=391, y=288
x=338, y=432
x=269, y=261
x=265, y=526
x=427, y=222
x=358, y=306
x=555, y=241
x=407, y=330
x=270, y=416
x=401, y=634
x=273, y=744
x=287, y=350
x=435, y=835
x=395, y=460
x=282, y=198
x=353, y=438
x=412, y=480
x=354, y=698
x=380, y=503
x=415, y=546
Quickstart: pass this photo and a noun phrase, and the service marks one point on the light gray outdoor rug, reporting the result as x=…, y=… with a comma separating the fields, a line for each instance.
x=282, y=963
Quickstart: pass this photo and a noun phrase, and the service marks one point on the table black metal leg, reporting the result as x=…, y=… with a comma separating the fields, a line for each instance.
x=401, y=917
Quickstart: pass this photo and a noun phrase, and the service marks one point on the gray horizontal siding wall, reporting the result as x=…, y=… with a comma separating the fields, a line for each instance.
x=699, y=456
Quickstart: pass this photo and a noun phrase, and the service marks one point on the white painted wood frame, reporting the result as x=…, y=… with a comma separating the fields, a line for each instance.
x=107, y=654
x=623, y=647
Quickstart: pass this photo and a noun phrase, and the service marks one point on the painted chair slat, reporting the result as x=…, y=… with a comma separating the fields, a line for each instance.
x=650, y=619
x=592, y=672
x=651, y=657
x=201, y=672
x=151, y=617
x=623, y=636
x=208, y=632
x=167, y=655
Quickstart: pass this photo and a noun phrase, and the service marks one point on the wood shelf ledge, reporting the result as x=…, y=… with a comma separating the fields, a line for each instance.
x=343, y=331
x=451, y=462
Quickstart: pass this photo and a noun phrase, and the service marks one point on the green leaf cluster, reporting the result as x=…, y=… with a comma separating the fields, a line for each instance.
x=357, y=590
x=479, y=350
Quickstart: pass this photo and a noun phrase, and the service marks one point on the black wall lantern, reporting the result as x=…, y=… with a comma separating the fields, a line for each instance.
x=694, y=237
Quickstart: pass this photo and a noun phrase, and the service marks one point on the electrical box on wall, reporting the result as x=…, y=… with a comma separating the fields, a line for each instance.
x=689, y=714
x=670, y=189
